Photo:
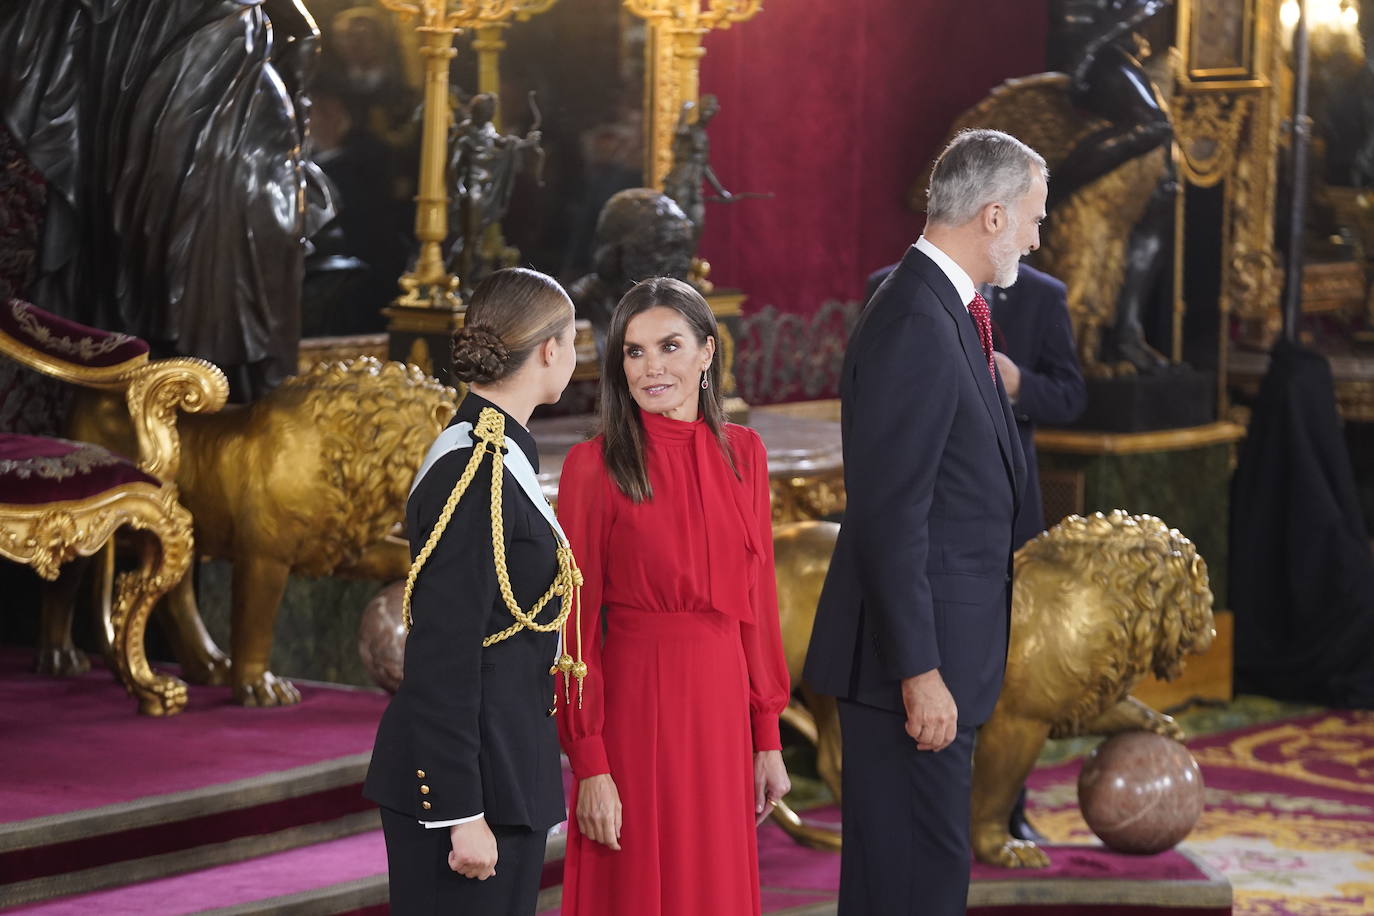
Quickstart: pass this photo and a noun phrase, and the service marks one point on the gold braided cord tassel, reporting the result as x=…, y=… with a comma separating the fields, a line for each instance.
x=490, y=436
x=445, y=517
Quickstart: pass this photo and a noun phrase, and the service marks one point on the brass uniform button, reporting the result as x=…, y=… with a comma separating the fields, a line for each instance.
x=424, y=790
x=419, y=774
x=426, y=805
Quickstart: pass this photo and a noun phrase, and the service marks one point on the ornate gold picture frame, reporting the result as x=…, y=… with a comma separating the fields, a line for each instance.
x=1222, y=41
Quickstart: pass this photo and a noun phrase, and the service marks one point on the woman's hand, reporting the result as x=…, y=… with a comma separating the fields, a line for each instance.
x=598, y=810
x=473, y=852
x=770, y=782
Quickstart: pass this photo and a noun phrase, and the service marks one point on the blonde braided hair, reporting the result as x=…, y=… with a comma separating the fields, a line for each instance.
x=490, y=436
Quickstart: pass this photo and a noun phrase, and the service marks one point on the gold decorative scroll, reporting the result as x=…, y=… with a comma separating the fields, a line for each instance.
x=155, y=394
x=1210, y=125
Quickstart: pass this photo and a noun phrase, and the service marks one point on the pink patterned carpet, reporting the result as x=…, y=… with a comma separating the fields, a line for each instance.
x=1289, y=817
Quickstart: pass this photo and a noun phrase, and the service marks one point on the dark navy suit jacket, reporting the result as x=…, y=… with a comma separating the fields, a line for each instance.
x=1031, y=326
x=921, y=574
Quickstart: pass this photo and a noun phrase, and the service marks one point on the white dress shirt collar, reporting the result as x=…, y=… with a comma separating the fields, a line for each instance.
x=963, y=284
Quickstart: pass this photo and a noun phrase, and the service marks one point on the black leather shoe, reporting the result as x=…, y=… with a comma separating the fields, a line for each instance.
x=1021, y=829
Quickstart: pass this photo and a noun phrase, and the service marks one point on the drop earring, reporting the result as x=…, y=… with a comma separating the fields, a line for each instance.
x=705, y=382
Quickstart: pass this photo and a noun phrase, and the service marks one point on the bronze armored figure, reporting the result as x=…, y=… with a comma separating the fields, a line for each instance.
x=483, y=163
x=1094, y=42
x=177, y=207
x=692, y=165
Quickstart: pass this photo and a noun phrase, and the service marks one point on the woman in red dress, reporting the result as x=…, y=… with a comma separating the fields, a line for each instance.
x=674, y=738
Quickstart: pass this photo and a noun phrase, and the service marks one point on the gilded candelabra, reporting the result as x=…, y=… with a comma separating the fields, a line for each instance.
x=429, y=283
x=672, y=54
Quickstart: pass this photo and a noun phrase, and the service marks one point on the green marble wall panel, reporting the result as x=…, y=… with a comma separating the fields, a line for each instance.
x=317, y=623
x=1189, y=489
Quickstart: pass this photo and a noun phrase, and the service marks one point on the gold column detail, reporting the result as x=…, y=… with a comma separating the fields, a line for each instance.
x=428, y=283
x=488, y=43
x=673, y=54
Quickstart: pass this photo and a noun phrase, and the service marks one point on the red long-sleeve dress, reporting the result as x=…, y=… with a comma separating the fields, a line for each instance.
x=689, y=679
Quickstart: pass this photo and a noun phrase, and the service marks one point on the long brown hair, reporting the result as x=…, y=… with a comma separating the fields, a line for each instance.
x=511, y=313
x=623, y=445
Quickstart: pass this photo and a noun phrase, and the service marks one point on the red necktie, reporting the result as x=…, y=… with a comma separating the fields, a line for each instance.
x=982, y=317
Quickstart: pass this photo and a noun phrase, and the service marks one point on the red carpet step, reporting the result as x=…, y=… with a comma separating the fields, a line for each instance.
x=95, y=796
x=344, y=875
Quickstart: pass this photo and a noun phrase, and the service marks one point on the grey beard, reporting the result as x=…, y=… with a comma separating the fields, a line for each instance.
x=1005, y=260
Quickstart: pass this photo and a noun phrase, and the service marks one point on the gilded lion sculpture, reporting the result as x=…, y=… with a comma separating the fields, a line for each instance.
x=1099, y=602
x=310, y=479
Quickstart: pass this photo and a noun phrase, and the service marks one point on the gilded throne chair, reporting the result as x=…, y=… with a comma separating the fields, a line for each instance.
x=60, y=500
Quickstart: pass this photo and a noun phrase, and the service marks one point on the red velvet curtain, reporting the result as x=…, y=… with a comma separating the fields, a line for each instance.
x=835, y=107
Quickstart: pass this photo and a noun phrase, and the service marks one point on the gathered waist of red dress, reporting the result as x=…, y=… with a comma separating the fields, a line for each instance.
x=625, y=621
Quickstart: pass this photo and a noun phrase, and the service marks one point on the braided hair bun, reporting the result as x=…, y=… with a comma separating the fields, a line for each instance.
x=479, y=355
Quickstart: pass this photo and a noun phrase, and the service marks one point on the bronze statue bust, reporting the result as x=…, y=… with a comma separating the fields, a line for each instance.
x=640, y=233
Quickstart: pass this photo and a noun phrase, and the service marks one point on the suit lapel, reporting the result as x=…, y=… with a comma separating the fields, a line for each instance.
x=1017, y=470
x=978, y=365
x=993, y=398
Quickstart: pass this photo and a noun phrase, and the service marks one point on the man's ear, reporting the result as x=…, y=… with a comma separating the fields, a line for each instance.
x=994, y=217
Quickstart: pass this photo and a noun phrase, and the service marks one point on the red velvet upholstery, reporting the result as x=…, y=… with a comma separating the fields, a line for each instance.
x=66, y=340
x=36, y=470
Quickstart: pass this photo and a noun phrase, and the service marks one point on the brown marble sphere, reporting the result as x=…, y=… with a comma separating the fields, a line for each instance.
x=382, y=637
x=1140, y=792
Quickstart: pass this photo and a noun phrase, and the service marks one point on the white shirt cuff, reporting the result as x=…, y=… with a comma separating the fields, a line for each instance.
x=430, y=825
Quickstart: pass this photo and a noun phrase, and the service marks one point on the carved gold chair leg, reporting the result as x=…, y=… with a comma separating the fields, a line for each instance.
x=164, y=557
x=826, y=714
x=61, y=499
x=794, y=825
x=799, y=718
x=804, y=832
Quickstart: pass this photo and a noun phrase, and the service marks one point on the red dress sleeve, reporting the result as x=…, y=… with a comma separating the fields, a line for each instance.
x=585, y=512
x=769, y=685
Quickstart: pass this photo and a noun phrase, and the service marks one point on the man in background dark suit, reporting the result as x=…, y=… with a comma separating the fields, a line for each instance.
x=911, y=631
x=1038, y=363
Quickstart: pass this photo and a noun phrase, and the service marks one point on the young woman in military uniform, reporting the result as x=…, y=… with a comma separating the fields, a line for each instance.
x=466, y=763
